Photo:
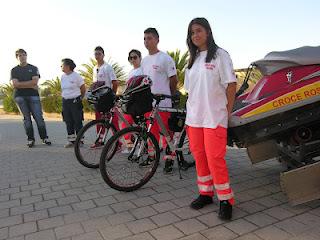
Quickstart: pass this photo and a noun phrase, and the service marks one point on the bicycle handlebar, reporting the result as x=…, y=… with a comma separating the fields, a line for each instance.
x=172, y=110
x=160, y=97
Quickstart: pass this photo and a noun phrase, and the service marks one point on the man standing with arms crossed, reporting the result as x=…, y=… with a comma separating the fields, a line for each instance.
x=25, y=79
x=162, y=70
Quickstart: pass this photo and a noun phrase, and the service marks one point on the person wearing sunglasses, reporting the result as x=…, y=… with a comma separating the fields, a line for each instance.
x=103, y=75
x=134, y=59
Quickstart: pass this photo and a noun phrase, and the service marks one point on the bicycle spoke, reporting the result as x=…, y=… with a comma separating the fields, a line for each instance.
x=94, y=136
x=128, y=168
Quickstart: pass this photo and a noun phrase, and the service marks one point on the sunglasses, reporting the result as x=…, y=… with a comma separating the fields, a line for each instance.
x=133, y=57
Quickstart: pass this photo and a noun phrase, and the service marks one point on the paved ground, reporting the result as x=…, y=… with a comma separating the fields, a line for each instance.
x=45, y=194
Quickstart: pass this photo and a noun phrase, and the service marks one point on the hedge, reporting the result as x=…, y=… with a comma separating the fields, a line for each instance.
x=52, y=104
x=9, y=105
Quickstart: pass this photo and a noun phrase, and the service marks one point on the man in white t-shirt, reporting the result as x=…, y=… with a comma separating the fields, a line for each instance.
x=162, y=70
x=103, y=73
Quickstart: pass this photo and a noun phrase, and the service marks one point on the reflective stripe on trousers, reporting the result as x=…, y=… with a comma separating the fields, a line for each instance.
x=208, y=147
x=205, y=185
x=71, y=138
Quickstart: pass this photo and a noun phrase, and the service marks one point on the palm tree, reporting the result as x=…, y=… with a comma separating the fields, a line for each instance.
x=181, y=61
x=87, y=73
x=6, y=90
x=52, y=88
x=6, y=95
x=51, y=96
x=255, y=76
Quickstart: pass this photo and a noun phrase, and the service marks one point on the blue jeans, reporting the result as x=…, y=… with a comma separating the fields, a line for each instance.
x=31, y=105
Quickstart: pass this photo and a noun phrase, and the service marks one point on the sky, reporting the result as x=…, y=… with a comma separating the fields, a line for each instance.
x=50, y=30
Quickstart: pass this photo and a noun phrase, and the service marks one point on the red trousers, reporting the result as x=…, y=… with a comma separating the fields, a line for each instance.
x=129, y=119
x=123, y=125
x=155, y=130
x=208, y=147
x=115, y=122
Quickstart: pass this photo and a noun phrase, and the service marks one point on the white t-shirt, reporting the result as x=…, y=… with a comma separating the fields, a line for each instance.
x=159, y=67
x=135, y=72
x=206, y=84
x=70, y=85
x=104, y=73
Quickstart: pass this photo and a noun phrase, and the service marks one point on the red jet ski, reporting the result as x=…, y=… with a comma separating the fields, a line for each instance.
x=280, y=117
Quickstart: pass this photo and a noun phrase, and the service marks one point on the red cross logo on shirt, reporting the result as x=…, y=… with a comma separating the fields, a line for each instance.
x=210, y=66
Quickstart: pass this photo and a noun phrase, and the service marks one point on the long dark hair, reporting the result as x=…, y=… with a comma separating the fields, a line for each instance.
x=193, y=49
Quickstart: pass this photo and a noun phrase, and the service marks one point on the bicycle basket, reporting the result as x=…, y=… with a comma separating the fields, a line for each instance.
x=102, y=98
x=137, y=98
x=176, y=121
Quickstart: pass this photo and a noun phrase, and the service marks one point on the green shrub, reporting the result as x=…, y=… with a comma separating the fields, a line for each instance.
x=87, y=107
x=9, y=105
x=52, y=104
x=6, y=93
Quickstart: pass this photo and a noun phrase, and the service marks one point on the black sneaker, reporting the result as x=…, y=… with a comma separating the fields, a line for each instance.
x=30, y=143
x=201, y=201
x=168, y=167
x=225, y=211
x=46, y=141
x=147, y=162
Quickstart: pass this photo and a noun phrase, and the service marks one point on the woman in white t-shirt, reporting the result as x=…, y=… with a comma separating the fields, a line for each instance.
x=211, y=84
x=134, y=59
x=72, y=91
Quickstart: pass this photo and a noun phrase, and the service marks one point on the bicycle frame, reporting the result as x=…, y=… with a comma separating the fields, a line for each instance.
x=155, y=115
x=120, y=115
x=114, y=110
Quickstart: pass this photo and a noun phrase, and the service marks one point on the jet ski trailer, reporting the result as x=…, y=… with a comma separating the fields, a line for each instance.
x=279, y=117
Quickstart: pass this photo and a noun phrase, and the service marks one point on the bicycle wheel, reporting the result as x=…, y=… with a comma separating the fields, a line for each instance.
x=90, y=141
x=129, y=169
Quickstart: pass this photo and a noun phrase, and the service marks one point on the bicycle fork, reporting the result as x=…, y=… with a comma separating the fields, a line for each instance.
x=138, y=146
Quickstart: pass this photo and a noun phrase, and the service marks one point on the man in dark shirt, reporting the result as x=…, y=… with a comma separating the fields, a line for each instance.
x=25, y=79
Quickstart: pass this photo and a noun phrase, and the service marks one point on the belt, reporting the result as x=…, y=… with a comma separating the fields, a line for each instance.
x=72, y=100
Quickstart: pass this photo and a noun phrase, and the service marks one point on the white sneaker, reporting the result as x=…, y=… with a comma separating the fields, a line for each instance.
x=69, y=145
x=30, y=143
x=46, y=141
